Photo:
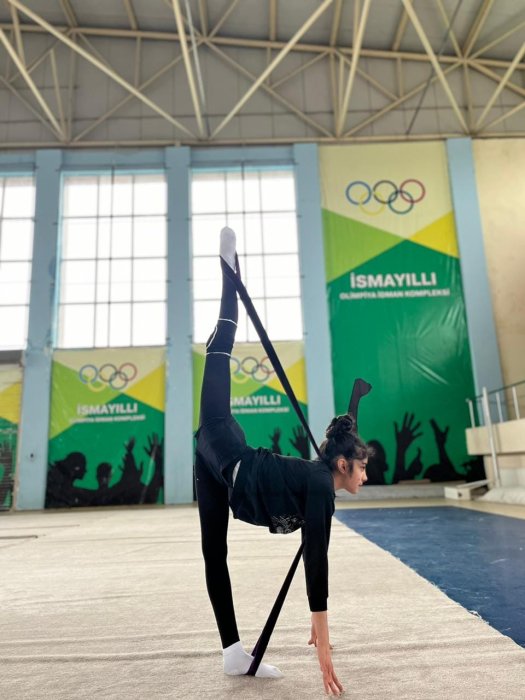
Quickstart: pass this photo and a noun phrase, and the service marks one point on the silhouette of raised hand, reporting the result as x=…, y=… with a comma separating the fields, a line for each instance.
x=130, y=466
x=153, y=446
x=300, y=441
x=408, y=432
x=444, y=470
x=275, y=437
x=405, y=436
x=439, y=435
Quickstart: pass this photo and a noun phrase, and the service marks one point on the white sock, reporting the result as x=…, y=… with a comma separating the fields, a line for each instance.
x=237, y=662
x=227, y=246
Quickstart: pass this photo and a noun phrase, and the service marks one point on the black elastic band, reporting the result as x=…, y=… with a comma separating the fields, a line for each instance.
x=268, y=347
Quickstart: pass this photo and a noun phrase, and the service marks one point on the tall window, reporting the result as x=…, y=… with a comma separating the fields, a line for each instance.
x=17, y=209
x=260, y=206
x=113, y=261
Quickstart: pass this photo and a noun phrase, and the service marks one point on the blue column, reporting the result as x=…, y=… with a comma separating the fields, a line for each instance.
x=34, y=421
x=178, y=441
x=478, y=302
x=318, y=355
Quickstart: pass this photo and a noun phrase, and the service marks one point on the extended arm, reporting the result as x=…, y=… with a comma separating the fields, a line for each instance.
x=321, y=639
x=316, y=534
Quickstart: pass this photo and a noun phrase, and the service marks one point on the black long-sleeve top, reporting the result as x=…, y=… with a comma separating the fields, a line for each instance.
x=284, y=494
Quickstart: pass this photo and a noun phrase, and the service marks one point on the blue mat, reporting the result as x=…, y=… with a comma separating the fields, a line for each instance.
x=477, y=559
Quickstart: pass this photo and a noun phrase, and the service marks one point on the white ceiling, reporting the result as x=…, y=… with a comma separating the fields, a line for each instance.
x=92, y=73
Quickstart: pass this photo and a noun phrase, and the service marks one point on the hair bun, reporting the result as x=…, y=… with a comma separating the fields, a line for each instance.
x=340, y=427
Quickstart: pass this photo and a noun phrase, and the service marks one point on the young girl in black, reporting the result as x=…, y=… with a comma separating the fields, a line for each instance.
x=262, y=488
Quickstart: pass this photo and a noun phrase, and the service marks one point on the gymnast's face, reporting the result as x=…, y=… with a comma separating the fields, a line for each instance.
x=356, y=475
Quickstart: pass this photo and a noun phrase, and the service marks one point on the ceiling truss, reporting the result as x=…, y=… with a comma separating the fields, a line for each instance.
x=197, y=38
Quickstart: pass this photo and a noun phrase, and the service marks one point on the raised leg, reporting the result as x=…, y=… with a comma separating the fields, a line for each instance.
x=212, y=495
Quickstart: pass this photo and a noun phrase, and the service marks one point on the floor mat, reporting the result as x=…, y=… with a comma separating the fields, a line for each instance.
x=477, y=559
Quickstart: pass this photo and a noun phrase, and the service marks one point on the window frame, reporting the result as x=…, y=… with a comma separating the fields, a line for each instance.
x=261, y=300
x=107, y=305
x=28, y=175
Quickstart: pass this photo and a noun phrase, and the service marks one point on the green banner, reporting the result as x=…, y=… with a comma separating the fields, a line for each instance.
x=396, y=304
x=10, y=398
x=258, y=400
x=106, y=442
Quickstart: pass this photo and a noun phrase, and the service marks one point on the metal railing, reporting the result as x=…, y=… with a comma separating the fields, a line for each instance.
x=509, y=404
x=506, y=403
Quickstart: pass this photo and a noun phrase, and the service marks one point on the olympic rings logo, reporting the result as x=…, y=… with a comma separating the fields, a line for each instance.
x=250, y=368
x=385, y=193
x=108, y=375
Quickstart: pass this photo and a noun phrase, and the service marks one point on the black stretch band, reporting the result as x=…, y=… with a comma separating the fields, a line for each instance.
x=269, y=349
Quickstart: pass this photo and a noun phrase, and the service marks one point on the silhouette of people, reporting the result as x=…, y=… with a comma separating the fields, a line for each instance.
x=155, y=451
x=444, y=470
x=129, y=489
x=102, y=494
x=299, y=441
x=405, y=436
x=275, y=438
x=377, y=465
x=475, y=469
x=60, y=490
x=6, y=467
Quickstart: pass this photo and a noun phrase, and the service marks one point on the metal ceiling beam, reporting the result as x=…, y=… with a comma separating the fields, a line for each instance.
x=203, y=14
x=131, y=14
x=468, y=95
x=498, y=40
x=188, y=66
x=156, y=143
x=31, y=85
x=127, y=99
x=299, y=113
x=28, y=105
x=18, y=35
x=504, y=81
x=376, y=84
x=336, y=22
x=277, y=60
x=400, y=77
x=400, y=32
x=58, y=94
x=94, y=61
x=299, y=69
x=223, y=19
x=94, y=51
x=435, y=64
x=449, y=29
x=393, y=105
x=503, y=117
x=477, y=26
x=34, y=65
x=70, y=93
x=272, y=20
x=138, y=62
x=68, y=12
x=359, y=27
x=169, y=37
x=496, y=77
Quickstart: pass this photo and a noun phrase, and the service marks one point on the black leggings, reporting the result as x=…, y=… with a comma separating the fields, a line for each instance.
x=212, y=481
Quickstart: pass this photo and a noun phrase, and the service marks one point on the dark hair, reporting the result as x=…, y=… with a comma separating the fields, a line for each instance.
x=342, y=440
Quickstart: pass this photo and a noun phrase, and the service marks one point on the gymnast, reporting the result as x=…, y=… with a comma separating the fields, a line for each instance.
x=262, y=488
